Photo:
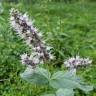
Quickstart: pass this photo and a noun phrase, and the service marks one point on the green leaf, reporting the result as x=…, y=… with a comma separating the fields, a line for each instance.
x=48, y=95
x=65, y=92
x=61, y=79
x=2, y=19
x=1, y=8
x=36, y=76
x=85, y=88
x=68, y=80
x=62, y=74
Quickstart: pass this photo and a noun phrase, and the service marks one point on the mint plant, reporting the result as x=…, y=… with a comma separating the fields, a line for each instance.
x=26, y=30
x=75, y=62
x=63, y=82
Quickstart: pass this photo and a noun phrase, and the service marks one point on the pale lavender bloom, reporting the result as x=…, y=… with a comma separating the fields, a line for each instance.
x=77, y=61
x=31, y=60
x=26, y=30
x=22, y=24
x=24, y=57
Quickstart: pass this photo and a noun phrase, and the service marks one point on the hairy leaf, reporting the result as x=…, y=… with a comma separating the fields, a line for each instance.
x=65, y=92
x=68, y=80
x=37, y=75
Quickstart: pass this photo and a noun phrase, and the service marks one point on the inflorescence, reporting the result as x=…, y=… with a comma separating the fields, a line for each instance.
x=75, y=62
x=26, y=30
x=40, y=51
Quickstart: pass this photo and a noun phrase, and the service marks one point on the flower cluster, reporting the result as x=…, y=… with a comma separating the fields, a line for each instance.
x=26, y=30
x=75, y=62
x=30, y=60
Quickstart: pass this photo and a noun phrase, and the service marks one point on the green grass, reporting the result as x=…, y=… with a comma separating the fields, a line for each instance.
x=69, y=28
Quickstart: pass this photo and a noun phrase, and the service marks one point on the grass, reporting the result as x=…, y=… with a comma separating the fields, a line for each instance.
x=69, y=28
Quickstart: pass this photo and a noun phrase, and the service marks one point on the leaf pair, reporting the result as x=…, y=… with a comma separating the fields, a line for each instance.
x=63, y=82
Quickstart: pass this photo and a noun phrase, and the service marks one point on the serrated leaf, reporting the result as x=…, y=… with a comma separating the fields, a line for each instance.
x=61, y=79
x=36, y=76
x=65, y=92
x=68, y=80
x=85, y=88
x=62, y=74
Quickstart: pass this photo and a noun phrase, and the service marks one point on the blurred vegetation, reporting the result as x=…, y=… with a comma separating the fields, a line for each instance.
x=69, y=27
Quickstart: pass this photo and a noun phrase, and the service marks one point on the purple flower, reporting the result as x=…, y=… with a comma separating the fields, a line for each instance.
x=26, y=30
x=75, y=62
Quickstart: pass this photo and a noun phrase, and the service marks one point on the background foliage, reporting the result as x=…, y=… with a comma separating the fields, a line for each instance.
x=69, y=27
